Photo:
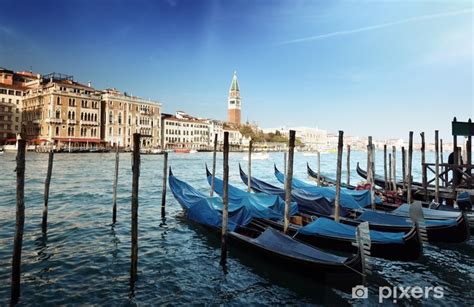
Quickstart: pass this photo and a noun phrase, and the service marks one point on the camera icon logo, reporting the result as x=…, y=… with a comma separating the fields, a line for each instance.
x=360, y=291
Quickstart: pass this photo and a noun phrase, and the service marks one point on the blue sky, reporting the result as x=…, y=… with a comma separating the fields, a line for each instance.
x=377, y=68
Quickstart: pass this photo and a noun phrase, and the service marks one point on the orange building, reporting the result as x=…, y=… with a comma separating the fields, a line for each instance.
x=62, y=111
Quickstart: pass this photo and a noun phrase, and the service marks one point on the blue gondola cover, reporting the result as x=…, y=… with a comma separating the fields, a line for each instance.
x=327, y=227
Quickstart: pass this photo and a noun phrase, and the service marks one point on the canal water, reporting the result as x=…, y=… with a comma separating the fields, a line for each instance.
x=85, y=260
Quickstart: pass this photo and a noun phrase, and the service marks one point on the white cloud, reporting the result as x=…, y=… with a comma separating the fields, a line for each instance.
x=376, y=27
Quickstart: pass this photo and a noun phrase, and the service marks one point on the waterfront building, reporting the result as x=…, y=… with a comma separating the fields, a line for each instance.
x=312, y=138
x=58, y=110
x=123, y=115
x=236, y=139
x=184, y=131
x=12, y=88
x=233, y=102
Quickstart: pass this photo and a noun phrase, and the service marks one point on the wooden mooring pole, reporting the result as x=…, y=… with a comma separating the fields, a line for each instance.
x=249, y=189
x=214, y=156
x=44, y=224
x=371, y=171
x=423, y=166
x=394, y=165
x=20, y=222
x=165, y=181
x=410, y=157
x=390, y=182
x=404, y=167
x=114, y=187
x=289, y=180
x=319, y=168
x=455, y=162
x=348, y=164
x=369, y=162
x=225, y=201
x=285, y=159
x=135, y=181
x=338, y=175
x=469, y=157
x=385, y=166
x=441, y=150
x=436, y=168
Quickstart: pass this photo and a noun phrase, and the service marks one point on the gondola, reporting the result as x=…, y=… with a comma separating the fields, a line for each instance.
x=380, y=181
x=326, y=233
x=450, y=231
x=328, y=181
x=270, y=243
x=431, y=212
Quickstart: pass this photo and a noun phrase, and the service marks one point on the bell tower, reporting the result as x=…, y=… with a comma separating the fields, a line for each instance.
x=233, y=102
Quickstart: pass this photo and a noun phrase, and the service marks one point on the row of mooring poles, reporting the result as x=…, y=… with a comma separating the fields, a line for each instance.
x=20, y=216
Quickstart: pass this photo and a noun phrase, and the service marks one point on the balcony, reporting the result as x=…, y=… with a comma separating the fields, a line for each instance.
x=71, y=121
x=89, y=123
x=54, y=121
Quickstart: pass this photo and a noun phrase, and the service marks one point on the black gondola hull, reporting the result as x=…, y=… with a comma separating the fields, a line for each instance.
x=408, y=251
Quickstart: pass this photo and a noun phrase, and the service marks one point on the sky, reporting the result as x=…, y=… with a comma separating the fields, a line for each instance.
x=379, y=68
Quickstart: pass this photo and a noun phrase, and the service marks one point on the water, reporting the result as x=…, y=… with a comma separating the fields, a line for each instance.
x=85, y=260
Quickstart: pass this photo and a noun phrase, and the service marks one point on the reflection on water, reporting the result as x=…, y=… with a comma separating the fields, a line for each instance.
x=84, y=259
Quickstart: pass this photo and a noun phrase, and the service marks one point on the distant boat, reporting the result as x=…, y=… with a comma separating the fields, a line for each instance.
x=258, y=156
x=182, y=150
x=193, y=151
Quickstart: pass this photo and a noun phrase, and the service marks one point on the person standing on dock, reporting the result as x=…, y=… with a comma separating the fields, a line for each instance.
x=457, y=176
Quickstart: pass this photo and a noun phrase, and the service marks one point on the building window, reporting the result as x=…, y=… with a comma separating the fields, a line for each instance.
x=110, y=131
x=57, y=130
x=59, y=101
x=120, y=118
x=111, y=117
x=58, y=114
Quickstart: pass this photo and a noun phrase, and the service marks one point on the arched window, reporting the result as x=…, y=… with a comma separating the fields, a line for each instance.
x=57, y=130
x=69, y=115
x=82, y=117
x=111, y=117
x=73, y=115
x=95, y=117
x=120, y=118
x=58, y=114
